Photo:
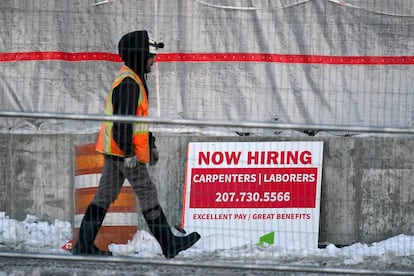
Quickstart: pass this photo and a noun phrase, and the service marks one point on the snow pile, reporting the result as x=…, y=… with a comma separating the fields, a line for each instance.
x=32, y=235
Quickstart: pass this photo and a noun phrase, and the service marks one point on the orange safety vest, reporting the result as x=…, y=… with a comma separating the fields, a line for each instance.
x=105, y=143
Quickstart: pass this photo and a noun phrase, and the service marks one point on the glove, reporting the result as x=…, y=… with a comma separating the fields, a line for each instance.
x=154, y=156
x=153, y=150
x=130, y=162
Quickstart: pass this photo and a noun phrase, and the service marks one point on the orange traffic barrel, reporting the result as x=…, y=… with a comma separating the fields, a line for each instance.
x=121, y=220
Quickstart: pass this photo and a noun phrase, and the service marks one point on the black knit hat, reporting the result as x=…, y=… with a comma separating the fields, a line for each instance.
x=134, y=50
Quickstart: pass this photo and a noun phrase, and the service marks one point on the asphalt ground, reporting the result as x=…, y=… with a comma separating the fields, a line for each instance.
x=17, y=264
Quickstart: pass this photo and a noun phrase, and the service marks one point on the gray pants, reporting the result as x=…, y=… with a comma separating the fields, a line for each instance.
x=113, y=176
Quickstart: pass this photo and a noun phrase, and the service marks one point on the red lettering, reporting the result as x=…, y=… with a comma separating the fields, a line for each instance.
x=204, y=157
x=218, y=157
x=272, y=157
x=253, y=157
x=279, y=157
x=292, y=157
x=233, y=157
x=306, y=157
x=256, y=157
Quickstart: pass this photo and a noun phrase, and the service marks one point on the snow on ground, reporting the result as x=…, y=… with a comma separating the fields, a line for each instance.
x=33, y=235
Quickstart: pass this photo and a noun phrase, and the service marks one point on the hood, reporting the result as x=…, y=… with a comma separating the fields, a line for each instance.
x=134, y=51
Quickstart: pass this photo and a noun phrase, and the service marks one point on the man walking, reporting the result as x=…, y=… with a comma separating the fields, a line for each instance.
x=127, y=149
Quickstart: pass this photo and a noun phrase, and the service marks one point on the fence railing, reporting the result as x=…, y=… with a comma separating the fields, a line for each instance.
x=215, y=123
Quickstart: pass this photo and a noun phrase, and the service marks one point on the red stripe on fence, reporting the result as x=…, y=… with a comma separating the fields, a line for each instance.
x=214, y=57
x=285, y=58
x=64, y=56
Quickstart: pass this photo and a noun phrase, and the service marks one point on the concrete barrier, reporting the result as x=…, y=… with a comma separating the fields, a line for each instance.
x=367, y=185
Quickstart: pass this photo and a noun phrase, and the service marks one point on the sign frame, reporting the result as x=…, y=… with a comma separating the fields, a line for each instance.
x=263, y=192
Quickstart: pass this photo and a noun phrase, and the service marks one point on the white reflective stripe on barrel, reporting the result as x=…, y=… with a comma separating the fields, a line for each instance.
x=90, y=180
x=113, y=219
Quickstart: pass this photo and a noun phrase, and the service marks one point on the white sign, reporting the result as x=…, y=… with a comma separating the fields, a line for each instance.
x=263, y=192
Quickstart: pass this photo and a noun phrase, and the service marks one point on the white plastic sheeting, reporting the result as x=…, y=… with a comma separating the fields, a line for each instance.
x=295, y=92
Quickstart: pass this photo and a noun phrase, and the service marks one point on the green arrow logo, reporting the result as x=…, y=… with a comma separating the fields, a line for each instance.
x=268, y=238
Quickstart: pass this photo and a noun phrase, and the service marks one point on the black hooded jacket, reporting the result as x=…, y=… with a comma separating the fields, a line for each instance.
x=134, y=51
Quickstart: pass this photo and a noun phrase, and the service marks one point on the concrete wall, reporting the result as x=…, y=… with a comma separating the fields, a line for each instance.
x=367, y=185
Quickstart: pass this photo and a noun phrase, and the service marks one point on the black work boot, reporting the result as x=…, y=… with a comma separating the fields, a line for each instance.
x=171, y=245
x=91, y=223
